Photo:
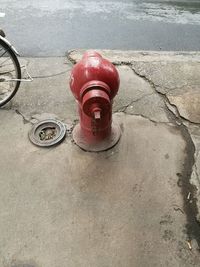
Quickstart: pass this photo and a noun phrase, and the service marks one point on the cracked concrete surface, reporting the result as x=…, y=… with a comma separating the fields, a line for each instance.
x=175, y=79
x=35, y=98
x=187, y=103
x=135, y=205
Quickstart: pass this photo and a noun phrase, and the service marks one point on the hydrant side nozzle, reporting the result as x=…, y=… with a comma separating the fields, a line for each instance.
x=96, y=100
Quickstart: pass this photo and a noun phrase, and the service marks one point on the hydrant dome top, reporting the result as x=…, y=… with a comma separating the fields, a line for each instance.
x=93, y=67
x=91, y=54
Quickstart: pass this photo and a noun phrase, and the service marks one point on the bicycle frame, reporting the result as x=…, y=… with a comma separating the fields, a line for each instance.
x=29, y=79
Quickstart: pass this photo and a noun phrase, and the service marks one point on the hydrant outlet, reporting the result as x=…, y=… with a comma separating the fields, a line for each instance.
x=96, y=103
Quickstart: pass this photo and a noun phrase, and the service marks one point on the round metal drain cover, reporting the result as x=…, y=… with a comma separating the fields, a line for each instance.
x=47, y=133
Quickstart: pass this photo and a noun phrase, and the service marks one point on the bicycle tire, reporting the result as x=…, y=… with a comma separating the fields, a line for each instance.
x=15, y=61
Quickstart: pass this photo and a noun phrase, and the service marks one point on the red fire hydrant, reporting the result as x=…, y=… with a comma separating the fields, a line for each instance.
x=94, y=83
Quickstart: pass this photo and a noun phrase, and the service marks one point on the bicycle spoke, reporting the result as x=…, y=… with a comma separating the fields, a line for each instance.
x=3, y=88
x=10, y=64
x=6, y=72
x=4, y=53
x=5, y=91
x=9, y=73
x=4, y=61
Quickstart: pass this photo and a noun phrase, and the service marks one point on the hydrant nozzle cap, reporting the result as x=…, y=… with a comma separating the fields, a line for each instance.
x=96, y=103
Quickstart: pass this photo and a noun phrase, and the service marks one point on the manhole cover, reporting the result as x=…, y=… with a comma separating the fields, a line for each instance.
x=47, y=133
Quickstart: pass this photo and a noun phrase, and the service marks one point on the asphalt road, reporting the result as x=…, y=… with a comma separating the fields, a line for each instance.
x=51, y=27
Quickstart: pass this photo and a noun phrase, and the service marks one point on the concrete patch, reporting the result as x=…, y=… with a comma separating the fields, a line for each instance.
x=169, y=76
x=187, y=100
x=132, y=88
x=150, y=106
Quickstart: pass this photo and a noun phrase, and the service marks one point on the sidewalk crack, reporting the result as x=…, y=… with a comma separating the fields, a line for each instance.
x=25, y=119
x=125, y=107
x=190, y=208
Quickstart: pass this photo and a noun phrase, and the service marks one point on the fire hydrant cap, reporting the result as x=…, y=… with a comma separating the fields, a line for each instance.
x=96, y=100
x=93, y=67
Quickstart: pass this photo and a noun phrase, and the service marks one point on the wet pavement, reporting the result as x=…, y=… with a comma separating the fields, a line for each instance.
x=50, y=28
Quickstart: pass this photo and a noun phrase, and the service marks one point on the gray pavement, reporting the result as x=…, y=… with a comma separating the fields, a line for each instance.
x=134, y=205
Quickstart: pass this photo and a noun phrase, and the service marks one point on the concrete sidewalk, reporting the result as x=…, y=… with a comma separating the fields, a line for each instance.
x=134, y=205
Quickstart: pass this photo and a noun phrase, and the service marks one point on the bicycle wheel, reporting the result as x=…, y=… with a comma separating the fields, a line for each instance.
x=9, y=71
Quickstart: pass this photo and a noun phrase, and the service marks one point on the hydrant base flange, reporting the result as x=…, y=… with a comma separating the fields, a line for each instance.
x=105, y=144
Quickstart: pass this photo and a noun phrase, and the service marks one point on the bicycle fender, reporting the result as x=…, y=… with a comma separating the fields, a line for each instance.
x=10, y=45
